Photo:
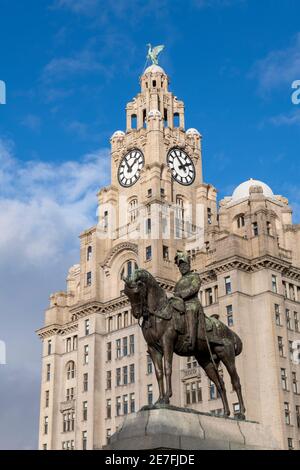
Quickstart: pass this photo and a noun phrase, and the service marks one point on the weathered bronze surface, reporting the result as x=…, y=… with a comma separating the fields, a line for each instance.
x=179, y=325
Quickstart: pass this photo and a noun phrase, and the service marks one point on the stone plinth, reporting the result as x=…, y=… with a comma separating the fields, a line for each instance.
x=179, y=428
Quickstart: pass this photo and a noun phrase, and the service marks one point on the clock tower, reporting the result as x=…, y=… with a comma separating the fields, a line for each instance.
x=157, y=199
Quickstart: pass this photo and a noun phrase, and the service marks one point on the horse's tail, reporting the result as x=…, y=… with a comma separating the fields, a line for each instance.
x=238, y=345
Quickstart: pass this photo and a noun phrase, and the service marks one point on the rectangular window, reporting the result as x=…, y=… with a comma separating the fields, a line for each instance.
x=295, y=382
x=118, y=406
x=110, y=324
x=75, y=341
x=108, y=408
x=49, y=347
x=132, y=403
x=125, y=375
x=47, y=398
x=188, y=394
x=85, y=382
x=255, y=229
x=86, y=354
x=118, y=348
x=89, y=278
x=125, y=404
x=68, y=345
x=283, y=379
x=131, y=373
x=296, y=321
x=150, y=394
x=213, y=393
x=274, y=284
x=125, y=346
x=277, y=315
x=108, y=379
x=228, y=289
x=131, y=344
x=149, y=192
x=70, y=394
x=84, y=440
x=87, y=327
x=148, y=253
x=291, y=350
x=194, y=392
x=290, y=443
x=108, y=351
x=46, y=424
x=148, y=226
x=118, y=376
x=89, y=253
x=48, y=372
x=280, y=346
x=105, y=220
x=108, y=435
x=209, y=216
x=199, y=391
x=298, y=416
x=125, y=319
x=287, y=413
x=209, y=296
x=288, y=319
x=269, y=228
x=149, y=365
x=229, y=313
x=165, y=252
x=119, y=321
x=84, y=410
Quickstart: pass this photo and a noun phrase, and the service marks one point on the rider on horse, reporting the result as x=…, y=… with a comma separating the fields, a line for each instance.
x=186, y=290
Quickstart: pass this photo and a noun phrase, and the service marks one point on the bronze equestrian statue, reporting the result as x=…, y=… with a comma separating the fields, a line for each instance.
x=179, y=325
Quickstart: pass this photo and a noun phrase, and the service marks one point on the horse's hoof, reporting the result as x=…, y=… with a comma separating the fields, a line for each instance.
x=241, y=417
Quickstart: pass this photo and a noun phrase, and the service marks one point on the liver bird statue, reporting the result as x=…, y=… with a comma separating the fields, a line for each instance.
x=153, y=53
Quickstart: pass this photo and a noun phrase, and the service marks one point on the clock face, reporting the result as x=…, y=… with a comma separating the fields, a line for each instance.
x=130, y=168
x=181, y=166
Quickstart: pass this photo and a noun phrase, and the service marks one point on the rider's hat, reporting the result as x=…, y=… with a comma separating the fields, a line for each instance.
x=181, y=256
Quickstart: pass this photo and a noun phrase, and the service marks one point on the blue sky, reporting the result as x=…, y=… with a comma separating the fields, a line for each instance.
x=70, y=66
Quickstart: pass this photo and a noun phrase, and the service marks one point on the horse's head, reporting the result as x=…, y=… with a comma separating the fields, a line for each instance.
x=145, y=294
x=136, y=290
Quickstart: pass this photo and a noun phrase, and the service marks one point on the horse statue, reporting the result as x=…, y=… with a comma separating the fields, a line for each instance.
x=164, y=326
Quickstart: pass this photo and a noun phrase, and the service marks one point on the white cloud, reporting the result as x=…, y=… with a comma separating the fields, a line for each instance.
x=289, y=119
x=44, y=206
x=280, y=67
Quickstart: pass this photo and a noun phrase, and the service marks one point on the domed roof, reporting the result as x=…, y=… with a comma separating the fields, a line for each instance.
x=243, y=190
x=118, y=134
x=192, y=131
x=154, y=69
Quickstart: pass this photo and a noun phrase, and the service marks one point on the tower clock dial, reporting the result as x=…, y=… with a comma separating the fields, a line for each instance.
x=181, y=166
x=130, y=168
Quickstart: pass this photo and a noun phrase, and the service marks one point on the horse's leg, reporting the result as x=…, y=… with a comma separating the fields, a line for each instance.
x=215, y=377
x=168, y=344
x=227, y=356
x=156, y=357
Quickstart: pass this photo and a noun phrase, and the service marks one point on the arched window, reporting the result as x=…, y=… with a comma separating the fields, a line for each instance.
x=89, y=253
x=133, y=210
x=133, y=121
x=128, y=268
x=144, y=119
x=240, y=220
x=176, y=120
x=70, y=370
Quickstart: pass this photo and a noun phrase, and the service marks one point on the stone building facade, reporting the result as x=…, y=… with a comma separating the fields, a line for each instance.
x=95, y=367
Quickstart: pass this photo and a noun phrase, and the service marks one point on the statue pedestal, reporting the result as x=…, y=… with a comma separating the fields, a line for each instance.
x=170, y=427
